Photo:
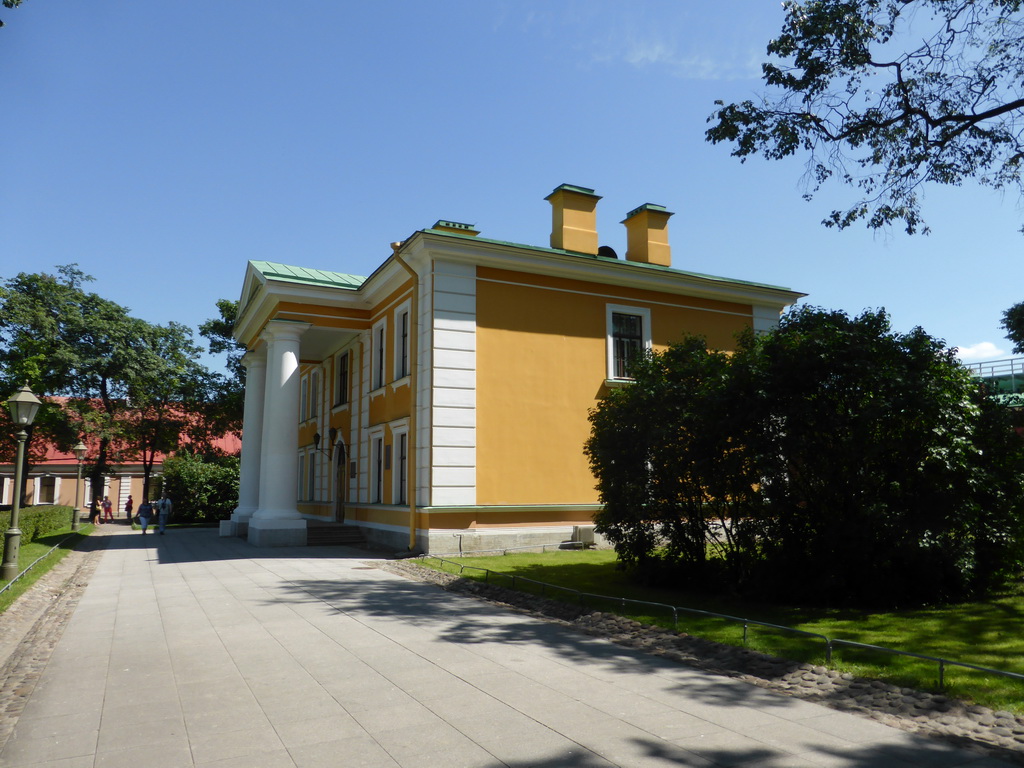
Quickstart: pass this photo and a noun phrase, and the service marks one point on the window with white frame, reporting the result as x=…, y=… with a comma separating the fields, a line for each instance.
x=377, y=354
x=311, y=464
x=304, y=398
x=377, y=468
x=301, y=490
x=46, y=490
x=341, y=378
x=402, y=328
x=629, y=335
x=314, y=394
x=400, y=466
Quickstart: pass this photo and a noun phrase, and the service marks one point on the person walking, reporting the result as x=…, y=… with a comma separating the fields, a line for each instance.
x=108, y=510
x=164, y=508
x=94, y=512
x=145, y=512
x=128, y=507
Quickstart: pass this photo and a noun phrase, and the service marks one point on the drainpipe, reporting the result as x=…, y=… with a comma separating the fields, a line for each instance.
x=413, y=386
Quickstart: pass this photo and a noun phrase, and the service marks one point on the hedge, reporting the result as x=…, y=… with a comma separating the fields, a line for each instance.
x=35, y=522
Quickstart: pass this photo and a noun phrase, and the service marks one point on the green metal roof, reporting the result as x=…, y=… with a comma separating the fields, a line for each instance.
x=623, y=263
x=288, y=274
x=573, y=188
x=305, y=276
x=649, y=207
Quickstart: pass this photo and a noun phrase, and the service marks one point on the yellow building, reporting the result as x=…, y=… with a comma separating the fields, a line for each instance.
x=441, y=403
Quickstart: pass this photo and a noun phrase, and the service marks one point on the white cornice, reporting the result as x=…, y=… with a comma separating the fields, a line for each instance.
x=425, y=245
x=261, y=297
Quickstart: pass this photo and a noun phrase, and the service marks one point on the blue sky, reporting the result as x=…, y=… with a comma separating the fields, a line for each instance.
x=160, y=145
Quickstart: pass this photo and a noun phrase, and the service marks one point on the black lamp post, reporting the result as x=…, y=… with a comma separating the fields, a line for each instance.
x=79, y=450
x=23, y=405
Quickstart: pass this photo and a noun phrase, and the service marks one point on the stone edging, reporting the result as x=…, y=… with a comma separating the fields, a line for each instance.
x=996, y=733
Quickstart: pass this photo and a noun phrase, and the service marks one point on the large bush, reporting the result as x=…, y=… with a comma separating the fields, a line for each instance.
x=831, y=460
x=202, y=490
x=677, y=486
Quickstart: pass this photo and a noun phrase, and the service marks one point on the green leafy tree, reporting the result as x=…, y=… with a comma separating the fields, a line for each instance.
x=875, y=447
x=169, y=398
x=35, y=312
x=831, y=460
x=889, y=95
x=10, y=4
x=1013, y=324
x=109, y=351
x=229, y=391
x=133, y=387
x=203, y=489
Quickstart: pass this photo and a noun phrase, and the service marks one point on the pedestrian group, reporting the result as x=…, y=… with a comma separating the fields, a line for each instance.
x=162, y=509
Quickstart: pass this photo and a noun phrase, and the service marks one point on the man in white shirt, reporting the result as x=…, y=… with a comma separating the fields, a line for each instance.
x=163, y=508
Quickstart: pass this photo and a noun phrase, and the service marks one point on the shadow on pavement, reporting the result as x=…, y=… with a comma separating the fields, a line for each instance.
x=189, y=545
x=466, y=620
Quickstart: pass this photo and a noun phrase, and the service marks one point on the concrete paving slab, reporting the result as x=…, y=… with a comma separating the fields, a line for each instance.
x=354, y=752
x=197, y=650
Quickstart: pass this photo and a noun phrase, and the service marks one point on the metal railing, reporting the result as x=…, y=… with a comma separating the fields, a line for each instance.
x=34, y=563
x=830, y=642
x=562, y=545
x=1004, y=376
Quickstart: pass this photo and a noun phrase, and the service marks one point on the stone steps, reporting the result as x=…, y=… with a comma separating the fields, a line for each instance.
x=334, y=534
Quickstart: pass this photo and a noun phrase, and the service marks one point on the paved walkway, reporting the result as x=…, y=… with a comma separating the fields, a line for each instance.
x=193, y=650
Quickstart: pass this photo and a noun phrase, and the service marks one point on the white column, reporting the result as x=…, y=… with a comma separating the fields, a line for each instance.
x=255, y=363
x=277, y=521
x=271, y=375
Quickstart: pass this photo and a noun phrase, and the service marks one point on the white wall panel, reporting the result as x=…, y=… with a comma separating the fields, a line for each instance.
x=453, y=378
x=450, y=456
x=454, y=417
x=456, y=302
x=461, y=359
x=765, y=319
x=447, y=283
x=460, y=339
x=453, y=365
x=450, y=320
x=455, y=398
x=455, y=436
x=455, y=476
x=454, y=496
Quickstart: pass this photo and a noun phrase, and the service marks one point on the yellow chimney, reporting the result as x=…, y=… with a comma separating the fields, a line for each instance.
x=574, y=219
x=647, y=235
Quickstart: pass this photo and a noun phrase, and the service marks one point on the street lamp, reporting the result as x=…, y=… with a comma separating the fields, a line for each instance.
x=79, y=450
x=23, y=405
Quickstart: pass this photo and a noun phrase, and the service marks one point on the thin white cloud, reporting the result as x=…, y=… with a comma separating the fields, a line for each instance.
x=683, y=62
x=681, y=43
x=643, y=52
x=984, y=350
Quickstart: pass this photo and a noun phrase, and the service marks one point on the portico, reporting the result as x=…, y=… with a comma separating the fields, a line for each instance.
x=267, y=506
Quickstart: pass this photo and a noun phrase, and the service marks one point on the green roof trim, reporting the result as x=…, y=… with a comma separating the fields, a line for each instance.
x=573, y=188
x=608, y=260
x=649, y=207
x=305, y=276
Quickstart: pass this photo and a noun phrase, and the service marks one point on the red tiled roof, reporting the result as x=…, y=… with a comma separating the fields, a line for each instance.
x=229, y=444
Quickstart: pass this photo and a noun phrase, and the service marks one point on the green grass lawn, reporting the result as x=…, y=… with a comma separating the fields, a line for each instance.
x=987, y=634
x=31, y=551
